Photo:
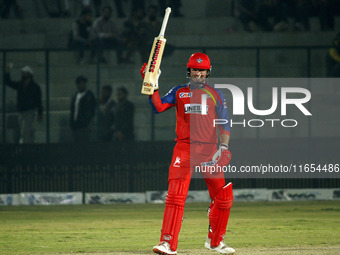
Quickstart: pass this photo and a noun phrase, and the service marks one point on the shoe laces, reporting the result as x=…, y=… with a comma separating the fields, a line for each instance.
x=165, y=244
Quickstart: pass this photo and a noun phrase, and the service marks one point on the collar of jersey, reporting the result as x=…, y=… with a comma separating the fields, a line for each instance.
x=206, y=91
x=196, y=88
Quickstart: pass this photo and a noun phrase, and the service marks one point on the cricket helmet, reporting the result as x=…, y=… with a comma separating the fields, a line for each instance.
x=199, y=61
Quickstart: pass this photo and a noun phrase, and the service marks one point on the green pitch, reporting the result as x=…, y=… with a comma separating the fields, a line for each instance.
x=254, y=228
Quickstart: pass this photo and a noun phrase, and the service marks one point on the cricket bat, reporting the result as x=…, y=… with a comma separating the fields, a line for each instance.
x=155, y=58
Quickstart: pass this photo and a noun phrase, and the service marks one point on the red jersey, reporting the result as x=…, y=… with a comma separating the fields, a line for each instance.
x=194, y=124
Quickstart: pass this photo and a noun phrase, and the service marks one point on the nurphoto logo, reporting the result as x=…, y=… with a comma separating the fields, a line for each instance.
x=294, y=96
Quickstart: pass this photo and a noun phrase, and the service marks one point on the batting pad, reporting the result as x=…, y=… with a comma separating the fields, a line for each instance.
x=173, y=214
x=219, y=214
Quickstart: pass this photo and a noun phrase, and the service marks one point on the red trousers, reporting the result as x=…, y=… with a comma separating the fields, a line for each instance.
x=185, y=157
x=189, y=156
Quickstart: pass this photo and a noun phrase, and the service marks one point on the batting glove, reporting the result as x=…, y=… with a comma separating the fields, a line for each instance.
x=143, y=71
x=158, y=74
x=222, y=155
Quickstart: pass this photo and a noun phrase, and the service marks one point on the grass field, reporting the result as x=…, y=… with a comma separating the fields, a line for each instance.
x=254, y=228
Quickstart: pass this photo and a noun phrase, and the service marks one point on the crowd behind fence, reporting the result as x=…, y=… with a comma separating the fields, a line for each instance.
x=310, y=68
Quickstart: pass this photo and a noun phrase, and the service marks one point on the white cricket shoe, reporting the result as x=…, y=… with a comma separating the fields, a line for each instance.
x=163, y=248
x=221, y=248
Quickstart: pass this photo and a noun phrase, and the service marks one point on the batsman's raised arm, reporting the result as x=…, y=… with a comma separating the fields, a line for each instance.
x=162, y=104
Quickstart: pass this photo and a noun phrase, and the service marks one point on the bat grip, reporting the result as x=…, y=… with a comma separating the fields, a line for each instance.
x=165, y=21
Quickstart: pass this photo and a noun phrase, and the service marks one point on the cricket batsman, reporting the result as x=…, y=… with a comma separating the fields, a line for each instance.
x=197, y=144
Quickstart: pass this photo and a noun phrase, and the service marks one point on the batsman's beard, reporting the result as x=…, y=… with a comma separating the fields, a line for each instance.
x=198, y=82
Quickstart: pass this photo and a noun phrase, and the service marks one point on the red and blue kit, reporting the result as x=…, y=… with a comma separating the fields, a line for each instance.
x=196, y=110
x=194, y=124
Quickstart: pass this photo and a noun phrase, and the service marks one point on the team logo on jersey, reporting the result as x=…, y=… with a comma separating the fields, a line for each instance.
x=199, y=60
x=185, y=94
x=177, y=162
x=193, y=108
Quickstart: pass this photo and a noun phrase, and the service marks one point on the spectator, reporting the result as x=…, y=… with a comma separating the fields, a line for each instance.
x=120, y=12
x=86, y=4
x=124, y=115
x=56, y=9
x=98, y=3
x=152, y=20
x=83, y=106
x=333, y=58
x=297, y=9
x=282, y=8
x=135, y=5
x=151, y=26
x=301, y=10
x=254, y=14
x=138, y=4
x=106, y=118
x=28, y=101
x=106, y=35
x=66, y=12
x=6, y=9
x=80, y=37
x=134, y=35
x=328, y=9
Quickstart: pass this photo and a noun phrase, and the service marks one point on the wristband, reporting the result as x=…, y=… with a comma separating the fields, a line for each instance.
x=224, y=145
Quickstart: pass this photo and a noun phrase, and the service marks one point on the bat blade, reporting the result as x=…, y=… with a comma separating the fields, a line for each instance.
x=154, y=63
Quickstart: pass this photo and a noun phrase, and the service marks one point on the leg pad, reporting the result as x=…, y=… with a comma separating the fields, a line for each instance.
x=219, y=214
x=173, y=214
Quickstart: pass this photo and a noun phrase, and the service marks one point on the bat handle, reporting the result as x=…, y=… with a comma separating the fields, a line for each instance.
x=165, y=21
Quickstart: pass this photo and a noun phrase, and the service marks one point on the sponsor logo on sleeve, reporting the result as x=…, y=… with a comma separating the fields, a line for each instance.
x=185, y=94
